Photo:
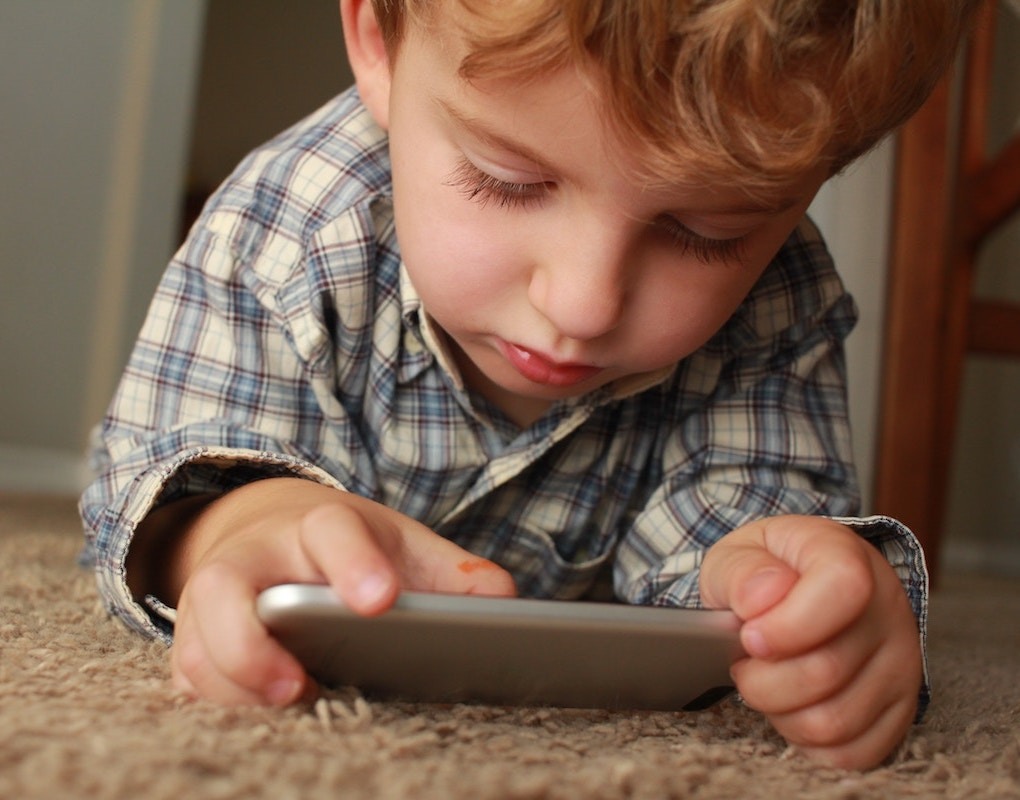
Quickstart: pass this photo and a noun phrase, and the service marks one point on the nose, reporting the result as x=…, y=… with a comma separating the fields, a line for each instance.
x=581, y=285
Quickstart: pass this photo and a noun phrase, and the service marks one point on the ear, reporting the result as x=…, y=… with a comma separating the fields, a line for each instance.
x=368, y=58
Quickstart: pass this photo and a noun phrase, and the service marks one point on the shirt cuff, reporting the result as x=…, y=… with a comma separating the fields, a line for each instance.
x=170, y=481
x=903, y=551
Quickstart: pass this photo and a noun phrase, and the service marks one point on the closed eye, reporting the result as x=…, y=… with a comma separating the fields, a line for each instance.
x=483, y=188
x=704, y=248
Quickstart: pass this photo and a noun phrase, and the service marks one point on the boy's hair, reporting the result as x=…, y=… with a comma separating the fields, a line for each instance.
x=750, y=91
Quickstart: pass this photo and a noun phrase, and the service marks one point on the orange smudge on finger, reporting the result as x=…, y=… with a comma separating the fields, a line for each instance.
x=474, y=564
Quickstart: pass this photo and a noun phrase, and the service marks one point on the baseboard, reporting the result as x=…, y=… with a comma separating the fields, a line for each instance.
x=42, y=470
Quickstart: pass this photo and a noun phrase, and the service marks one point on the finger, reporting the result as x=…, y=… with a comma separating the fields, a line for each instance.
x=427, y=561
x=867, y=718
x=221, y=651
x=442, y=566
x=194, y=674
x=352, y=556
x=836, y=582
x=744, y=577
x=382, y=552
x=873, y=746
x=781, y=687
x=883, y=641
x=179, y=680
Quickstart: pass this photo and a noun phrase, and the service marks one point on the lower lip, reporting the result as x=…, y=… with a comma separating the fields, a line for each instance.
x=538, y=369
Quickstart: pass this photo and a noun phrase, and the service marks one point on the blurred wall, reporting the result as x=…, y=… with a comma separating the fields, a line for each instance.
x=265, y=65
x=96, y=99
x=100, y=101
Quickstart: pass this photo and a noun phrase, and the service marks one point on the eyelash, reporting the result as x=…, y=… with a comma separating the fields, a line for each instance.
x=704, y=248
x=483, y=188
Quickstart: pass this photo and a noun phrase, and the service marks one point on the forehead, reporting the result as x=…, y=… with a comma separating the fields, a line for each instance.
x=665, y=150
x=556, y=127
x=683, y=82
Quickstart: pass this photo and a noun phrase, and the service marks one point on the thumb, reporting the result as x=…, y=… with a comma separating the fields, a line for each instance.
x=744, y=577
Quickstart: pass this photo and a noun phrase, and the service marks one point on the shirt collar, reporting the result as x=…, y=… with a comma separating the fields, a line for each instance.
x=635, y=384
x=419, y=321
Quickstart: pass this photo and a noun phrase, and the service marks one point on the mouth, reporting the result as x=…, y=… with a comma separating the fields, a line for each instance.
x=541, y=369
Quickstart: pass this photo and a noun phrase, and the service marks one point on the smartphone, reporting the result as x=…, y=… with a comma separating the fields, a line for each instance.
x=509, y=651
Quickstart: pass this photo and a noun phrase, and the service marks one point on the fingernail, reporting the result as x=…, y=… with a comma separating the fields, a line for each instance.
x=284, y=692
x=754, y=642
x=762, y=577
x=373, y=588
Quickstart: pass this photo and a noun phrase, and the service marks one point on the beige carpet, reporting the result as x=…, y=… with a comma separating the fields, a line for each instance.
x=86, y=711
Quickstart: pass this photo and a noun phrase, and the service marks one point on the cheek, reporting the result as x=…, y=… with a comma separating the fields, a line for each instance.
x=688, y=305
x=451, y=244
x=444, y=249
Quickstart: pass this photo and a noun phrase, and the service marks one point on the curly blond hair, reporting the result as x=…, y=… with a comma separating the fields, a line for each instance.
x=754, y=91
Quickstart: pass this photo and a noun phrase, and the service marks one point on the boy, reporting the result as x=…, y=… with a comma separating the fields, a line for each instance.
x=607, y=344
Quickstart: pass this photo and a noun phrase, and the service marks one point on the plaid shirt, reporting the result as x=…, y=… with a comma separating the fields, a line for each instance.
x=286, y=339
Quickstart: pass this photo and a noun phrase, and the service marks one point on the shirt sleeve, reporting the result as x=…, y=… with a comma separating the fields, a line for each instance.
x=227, y=384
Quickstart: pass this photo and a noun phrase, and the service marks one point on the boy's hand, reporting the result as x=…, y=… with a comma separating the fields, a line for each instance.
x=292, y=530
x=834, y=657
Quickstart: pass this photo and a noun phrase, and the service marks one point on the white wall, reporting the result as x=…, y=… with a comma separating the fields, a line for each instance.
x=853, y=212
x=95, y=102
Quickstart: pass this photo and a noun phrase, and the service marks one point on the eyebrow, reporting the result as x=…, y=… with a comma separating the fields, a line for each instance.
x=780, y=205
x=484, y=133
x=770, y=206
